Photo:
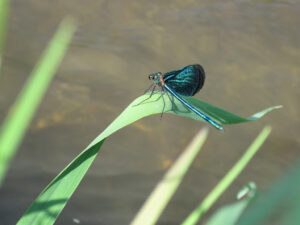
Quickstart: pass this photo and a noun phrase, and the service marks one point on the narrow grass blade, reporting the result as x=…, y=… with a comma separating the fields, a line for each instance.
x=228, y=179
x=63, y=186
x=19, y=117
x=165, y=189
x=3, y=17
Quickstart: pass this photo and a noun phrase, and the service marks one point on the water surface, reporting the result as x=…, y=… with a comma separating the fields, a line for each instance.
x=250, y=51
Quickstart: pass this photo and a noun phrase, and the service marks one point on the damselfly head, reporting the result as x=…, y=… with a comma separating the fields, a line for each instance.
x=154, y=76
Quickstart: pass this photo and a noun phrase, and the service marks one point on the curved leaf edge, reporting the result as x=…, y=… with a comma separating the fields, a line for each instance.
x=132, y=113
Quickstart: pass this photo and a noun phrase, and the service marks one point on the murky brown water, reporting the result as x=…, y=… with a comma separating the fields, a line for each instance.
x=249, y=49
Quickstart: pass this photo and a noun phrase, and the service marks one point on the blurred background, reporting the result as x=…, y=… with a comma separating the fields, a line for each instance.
x=250, y=51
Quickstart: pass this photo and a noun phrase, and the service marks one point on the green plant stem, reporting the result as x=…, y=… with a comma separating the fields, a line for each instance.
x=20, y=115
x=161, y=195
x=50, y=203
x=194, y=217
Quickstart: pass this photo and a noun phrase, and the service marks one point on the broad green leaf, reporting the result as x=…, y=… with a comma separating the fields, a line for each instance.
x=279, y=205
x=20, y=115
x=229, y=214
x=194, y=217
x=161, y=195
x=63, y=186
x=155, y=105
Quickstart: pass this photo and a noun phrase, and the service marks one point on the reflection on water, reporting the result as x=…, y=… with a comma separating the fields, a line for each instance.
x=249, y=49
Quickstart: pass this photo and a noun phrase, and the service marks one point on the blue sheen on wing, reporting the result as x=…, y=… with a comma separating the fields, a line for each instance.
x=186, y=81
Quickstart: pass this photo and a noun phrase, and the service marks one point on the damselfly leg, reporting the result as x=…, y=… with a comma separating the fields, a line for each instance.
x=153, y=89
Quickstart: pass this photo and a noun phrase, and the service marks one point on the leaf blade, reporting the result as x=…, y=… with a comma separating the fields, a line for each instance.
x=161, y=195
x=219, y=189
x=132, y=113
x=18, y=119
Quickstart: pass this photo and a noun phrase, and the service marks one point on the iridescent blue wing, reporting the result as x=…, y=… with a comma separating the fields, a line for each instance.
x=186, y=81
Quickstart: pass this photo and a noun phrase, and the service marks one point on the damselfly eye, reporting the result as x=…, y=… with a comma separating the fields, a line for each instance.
x=154, y=76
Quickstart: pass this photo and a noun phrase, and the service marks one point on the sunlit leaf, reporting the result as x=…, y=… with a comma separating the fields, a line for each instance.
x=63, y=186
x=229, y=214
x=279, y=205
x=22, y=111
x=219, y=189
x=161, y=195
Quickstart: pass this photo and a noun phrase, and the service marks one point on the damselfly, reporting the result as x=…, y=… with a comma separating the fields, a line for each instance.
x=186, y=81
